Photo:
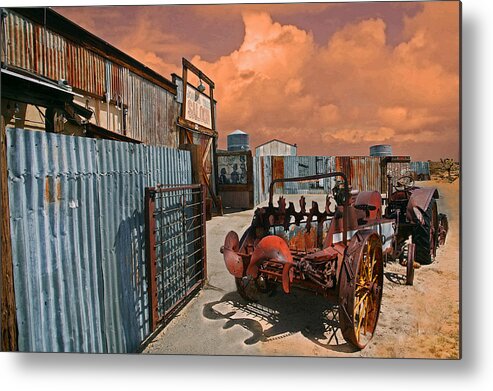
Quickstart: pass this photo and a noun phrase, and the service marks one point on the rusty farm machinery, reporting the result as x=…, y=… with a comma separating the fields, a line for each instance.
x=338, y=252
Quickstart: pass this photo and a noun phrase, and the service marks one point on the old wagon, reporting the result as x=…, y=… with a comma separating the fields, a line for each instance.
x=337, y=251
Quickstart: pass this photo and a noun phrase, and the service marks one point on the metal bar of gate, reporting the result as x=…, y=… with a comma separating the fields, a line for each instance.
x=194, y=268
x=204, y=219
x=150, y=206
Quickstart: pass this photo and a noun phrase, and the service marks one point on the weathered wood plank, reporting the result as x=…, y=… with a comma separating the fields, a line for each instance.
x=8, y=315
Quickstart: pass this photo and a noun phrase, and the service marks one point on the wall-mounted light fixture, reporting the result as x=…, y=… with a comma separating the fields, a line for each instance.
x=201, y=87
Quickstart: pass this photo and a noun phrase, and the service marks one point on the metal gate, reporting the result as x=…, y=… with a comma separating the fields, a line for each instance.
x=175, y=246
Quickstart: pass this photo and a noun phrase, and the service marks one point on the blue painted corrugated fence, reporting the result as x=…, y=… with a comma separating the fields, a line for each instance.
x=77, y=223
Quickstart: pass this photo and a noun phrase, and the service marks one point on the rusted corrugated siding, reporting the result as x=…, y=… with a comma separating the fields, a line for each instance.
x=20, y=42
x=278, y=171
x=149, y=107
x=396, y=170
x=343, y=164
x=152, y=110
x=365, y=173
x=50, y=54
x=85, y=70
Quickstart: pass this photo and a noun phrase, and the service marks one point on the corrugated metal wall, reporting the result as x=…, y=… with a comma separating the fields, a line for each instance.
x=262, y=177
x=298, y=166
x=363, y=173
x=152, y=110
x=397, y=170
x=421, y=170
x=78, y=238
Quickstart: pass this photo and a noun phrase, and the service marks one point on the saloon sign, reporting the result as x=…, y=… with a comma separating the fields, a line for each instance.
x=198, y=108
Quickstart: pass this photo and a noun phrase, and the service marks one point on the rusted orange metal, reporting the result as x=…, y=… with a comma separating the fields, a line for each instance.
x=334, y=251
x=278, y=170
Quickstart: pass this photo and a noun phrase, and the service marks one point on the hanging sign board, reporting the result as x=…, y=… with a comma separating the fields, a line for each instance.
x=198, y=108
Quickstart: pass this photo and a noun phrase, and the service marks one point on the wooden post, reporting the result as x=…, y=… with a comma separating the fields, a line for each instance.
x=196, y=161
x=8, y=314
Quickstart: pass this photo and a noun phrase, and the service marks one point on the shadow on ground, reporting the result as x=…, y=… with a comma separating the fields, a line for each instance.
x=399, y=279
x=278, y=316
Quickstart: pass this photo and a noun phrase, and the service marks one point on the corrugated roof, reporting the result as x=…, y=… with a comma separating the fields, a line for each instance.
x=275, y=139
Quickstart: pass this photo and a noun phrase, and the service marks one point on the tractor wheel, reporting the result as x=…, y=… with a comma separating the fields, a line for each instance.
x=411, y=251
x=360, y=291
x=425, y=236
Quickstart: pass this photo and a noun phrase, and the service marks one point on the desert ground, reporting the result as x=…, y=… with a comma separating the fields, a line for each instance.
x=419, y=321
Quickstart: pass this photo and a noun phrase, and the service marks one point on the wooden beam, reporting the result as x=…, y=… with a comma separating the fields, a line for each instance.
x=184, y=92
x=206, y=152
x=184, y=123
x=188, y=65
x=8, y=314
x=189, y=136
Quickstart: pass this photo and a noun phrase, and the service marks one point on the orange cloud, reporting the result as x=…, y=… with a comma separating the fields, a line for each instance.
x=357, y=89
x=373, y=73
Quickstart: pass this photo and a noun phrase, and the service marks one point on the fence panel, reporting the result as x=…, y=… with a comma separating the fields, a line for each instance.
x=56, y=241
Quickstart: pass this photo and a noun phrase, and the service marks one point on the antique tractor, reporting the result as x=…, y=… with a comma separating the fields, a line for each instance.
x=416, y=213
x=337, y=252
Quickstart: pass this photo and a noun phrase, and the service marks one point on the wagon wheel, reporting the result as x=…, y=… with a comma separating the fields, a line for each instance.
x=360, y=291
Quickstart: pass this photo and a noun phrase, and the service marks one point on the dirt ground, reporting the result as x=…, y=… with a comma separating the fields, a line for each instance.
x=419, y=321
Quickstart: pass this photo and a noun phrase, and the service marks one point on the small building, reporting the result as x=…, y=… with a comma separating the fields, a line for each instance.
x=276, y=147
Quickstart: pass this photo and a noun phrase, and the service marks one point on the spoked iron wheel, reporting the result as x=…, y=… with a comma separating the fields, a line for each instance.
x=361, y=286
x=410, y=255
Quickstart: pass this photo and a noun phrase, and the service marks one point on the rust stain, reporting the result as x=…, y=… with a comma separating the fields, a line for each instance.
x=53, y=189
x=49, y=196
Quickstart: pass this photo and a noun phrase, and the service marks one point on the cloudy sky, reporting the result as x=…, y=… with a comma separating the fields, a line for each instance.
x=333, y=78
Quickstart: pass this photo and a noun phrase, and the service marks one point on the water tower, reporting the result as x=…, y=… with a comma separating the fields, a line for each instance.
x=381, y=150
x=238, y=141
